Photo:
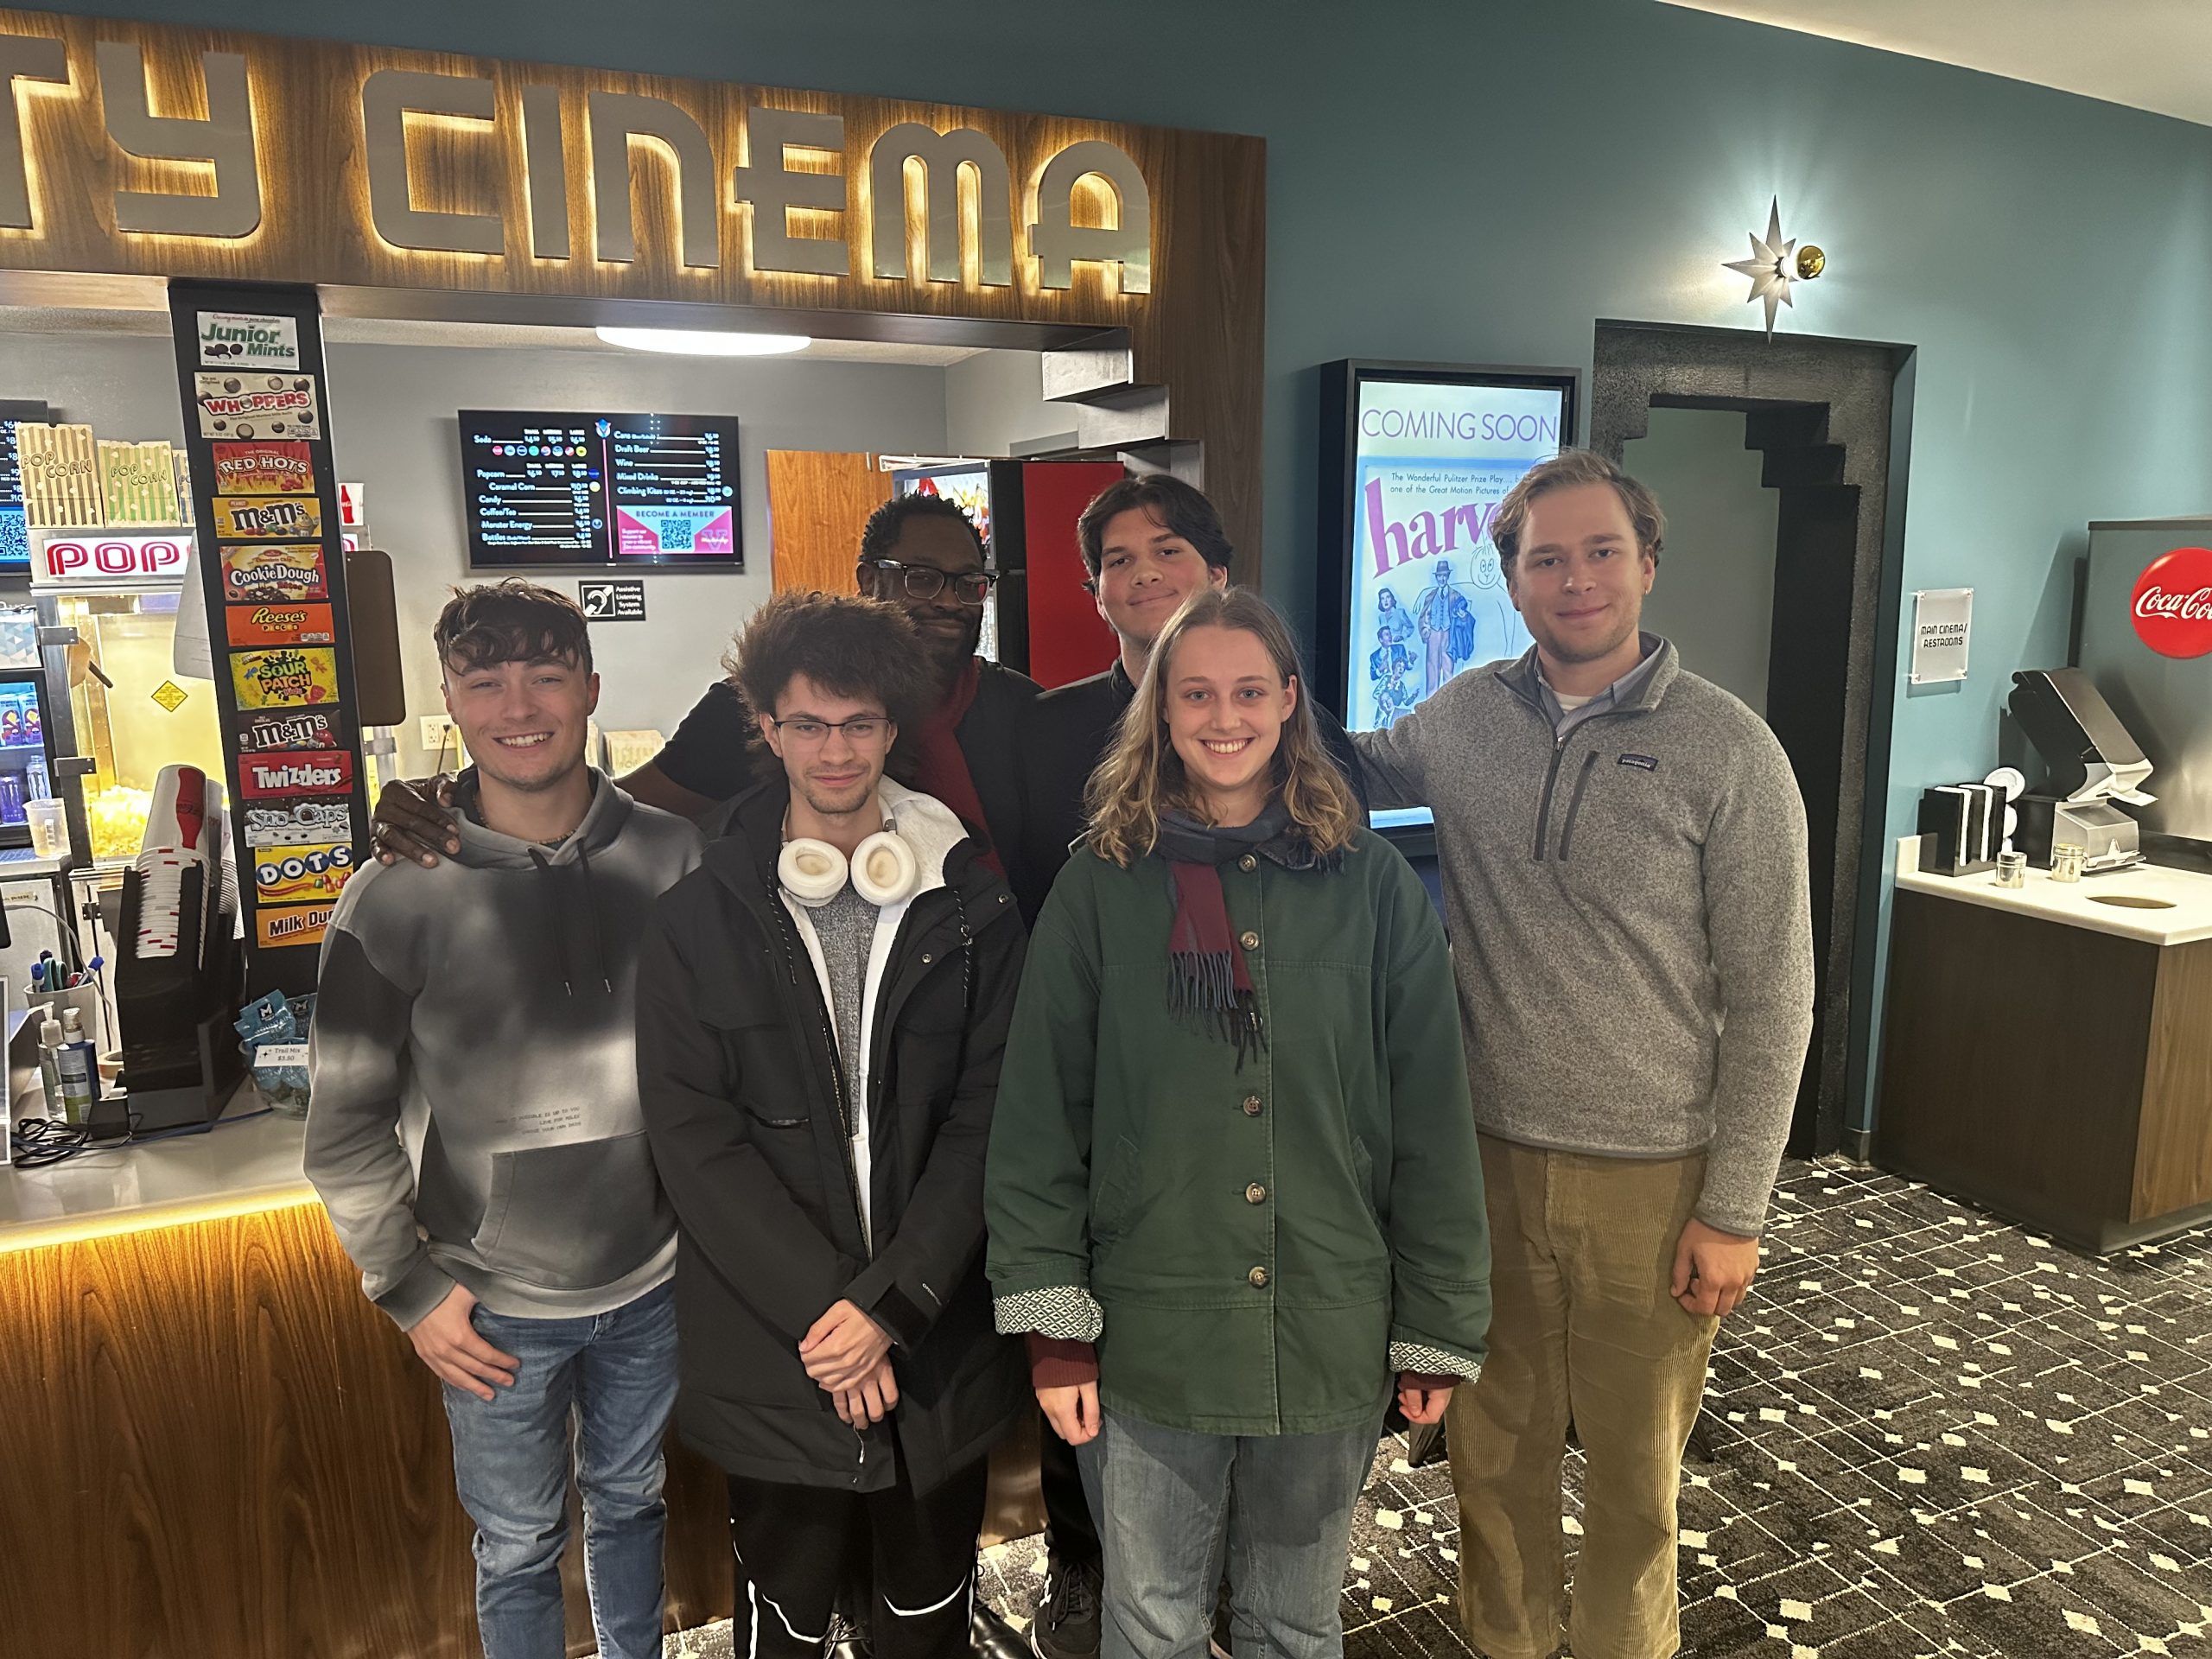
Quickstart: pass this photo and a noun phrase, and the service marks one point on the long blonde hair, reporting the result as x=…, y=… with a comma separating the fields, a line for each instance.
x=1141, y=776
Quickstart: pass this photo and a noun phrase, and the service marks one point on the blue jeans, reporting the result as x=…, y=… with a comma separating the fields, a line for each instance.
x=1165, y=1498
x=613, y=1376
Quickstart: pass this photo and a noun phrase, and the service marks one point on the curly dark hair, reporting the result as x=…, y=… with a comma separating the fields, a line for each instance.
x=510, y=621
x=855, y=647
x=888, y=522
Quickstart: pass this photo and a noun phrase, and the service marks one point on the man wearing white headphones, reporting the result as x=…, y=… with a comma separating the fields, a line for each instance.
x=821, y=1010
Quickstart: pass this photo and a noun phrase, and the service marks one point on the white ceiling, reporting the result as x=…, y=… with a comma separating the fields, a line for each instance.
x=2150, y=54
x=380, y=331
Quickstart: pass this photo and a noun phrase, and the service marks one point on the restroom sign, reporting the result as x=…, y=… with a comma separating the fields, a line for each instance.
x=1942, y=626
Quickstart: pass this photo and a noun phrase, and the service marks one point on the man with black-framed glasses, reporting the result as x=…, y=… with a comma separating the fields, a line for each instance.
x=923, y=554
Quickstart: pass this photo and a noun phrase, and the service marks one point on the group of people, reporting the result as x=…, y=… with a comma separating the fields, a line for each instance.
x=1095, y=1018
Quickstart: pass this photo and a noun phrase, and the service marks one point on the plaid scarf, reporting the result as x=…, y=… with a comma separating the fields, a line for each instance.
x=1207, y=979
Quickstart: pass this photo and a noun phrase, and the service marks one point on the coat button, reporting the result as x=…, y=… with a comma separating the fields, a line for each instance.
x=1257, y=1277
x=1248, y=940
x=1255, y=1193
x=1251, y=1105
x=927, y=959
x=1247, y=863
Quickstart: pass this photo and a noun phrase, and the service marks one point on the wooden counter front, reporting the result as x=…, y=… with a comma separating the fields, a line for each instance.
x=2059, y=1074
x=215, y=1448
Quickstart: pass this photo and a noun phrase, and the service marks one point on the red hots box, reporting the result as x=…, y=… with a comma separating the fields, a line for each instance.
x=280, y=624
x=325, y=771
x=272, y=468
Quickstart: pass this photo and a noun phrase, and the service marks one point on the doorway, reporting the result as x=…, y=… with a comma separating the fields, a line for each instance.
x=1783, y=578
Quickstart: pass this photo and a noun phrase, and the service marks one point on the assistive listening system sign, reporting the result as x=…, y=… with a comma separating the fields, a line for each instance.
x=1431, y=461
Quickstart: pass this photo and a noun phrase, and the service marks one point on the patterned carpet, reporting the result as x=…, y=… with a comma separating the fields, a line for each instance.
x=1932, y=1434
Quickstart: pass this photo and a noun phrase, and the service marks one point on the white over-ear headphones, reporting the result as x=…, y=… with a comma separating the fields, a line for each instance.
x=883, y=870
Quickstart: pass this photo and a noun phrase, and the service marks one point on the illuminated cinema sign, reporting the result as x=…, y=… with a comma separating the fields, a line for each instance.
x=541, y=166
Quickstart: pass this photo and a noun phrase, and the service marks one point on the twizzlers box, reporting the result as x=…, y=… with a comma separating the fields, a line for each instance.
x=322, y=771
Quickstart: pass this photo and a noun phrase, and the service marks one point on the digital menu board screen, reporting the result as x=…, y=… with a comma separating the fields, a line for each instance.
x=619, y=491
x=15, y=531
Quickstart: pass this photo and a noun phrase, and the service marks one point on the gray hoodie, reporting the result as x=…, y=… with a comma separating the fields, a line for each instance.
x=473, y=1113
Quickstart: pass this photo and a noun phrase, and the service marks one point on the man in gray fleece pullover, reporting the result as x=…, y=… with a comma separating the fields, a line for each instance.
x=1623, y=855
x=474, y=1130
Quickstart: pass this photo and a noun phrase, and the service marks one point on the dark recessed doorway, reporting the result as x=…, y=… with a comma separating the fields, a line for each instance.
x=1809, y=634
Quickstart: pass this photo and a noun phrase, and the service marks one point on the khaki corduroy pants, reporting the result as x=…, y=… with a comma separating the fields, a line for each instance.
x=1582, y=1326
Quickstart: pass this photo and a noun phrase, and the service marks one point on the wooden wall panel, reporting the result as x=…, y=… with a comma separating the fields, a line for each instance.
x=1198, y=332
x=818, y=503
x=2173, y=1161
x=214, y=1445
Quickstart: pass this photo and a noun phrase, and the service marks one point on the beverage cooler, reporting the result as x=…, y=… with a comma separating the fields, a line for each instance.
x=1041, y=619
x=26, y=756
x=2146, y=645
x=107, y=603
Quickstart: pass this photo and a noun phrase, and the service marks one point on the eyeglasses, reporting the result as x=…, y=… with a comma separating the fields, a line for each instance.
x=861, y=731
x=926, y=581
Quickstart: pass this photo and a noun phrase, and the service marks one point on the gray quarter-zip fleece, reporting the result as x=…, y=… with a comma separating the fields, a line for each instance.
x=1630, y=918
x=474, y=1110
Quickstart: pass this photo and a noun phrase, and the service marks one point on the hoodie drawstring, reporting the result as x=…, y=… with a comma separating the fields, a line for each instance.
x=550, y=888
x=591, y=914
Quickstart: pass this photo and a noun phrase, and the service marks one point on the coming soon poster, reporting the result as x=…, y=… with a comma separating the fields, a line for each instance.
x=1432, y=462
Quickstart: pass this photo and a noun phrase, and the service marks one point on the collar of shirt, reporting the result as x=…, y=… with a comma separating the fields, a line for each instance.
x=1565, y=719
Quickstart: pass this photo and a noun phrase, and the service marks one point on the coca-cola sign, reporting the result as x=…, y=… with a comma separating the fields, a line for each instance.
x=2172, y=603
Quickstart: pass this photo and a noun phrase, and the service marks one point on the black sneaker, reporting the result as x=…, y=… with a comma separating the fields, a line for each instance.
x=1066, y=1625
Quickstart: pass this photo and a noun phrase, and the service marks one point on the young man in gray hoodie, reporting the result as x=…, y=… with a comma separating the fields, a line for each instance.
x=1623, y=847
x=475, y=1134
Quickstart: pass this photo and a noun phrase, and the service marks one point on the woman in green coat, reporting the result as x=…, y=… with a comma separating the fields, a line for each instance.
x=1233, y=1192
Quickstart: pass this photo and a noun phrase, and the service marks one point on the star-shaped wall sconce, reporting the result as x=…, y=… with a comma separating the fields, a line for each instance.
x=1775, y=264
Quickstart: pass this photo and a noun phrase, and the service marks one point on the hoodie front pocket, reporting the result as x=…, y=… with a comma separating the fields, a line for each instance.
x=573, y=1216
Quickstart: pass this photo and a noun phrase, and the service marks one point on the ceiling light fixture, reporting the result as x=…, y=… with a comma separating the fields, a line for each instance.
x=702, y=342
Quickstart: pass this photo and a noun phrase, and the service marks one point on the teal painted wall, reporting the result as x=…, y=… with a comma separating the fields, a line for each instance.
x=1480, y=179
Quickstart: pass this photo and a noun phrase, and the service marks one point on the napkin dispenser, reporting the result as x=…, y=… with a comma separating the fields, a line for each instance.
x=1961, y=828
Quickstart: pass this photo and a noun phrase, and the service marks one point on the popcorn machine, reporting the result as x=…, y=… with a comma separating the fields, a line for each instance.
x=107, y=601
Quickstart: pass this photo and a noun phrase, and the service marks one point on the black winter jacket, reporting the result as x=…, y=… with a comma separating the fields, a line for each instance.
x=743, y=1099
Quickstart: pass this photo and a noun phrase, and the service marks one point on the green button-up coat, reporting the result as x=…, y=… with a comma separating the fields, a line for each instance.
x=1261, y=1247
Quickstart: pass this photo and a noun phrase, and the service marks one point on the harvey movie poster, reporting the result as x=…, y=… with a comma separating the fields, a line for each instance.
x=1434, y=460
